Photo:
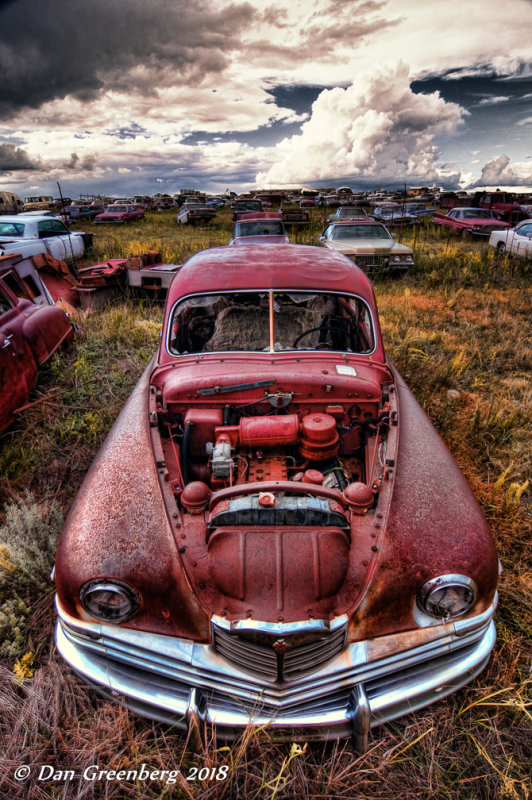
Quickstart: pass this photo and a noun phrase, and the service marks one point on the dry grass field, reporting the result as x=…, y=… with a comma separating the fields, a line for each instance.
x=458, y=328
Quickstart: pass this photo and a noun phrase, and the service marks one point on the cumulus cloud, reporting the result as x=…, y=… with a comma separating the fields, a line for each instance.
x=500, y=172
x=13, y=159
x=377, y=127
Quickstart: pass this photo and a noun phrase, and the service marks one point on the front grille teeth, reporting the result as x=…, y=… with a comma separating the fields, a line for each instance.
x=273, y=657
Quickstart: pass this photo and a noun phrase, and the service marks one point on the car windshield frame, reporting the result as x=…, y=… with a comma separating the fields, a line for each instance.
x=266, y=227
x=246, y=311
x=363, y=231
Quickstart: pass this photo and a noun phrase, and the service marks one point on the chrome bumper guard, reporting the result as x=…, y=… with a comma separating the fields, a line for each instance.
x=178, y=682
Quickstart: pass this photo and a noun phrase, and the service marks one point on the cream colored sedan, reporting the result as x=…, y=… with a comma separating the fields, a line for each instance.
x=369, y=244
x=517, y=241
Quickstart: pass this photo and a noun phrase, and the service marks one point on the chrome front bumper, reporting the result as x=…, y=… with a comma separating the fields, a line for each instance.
x=176, y=681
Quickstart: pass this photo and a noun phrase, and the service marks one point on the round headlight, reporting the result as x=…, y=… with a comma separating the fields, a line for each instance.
x=447, y=596
x=110, y=601
x=396, y=258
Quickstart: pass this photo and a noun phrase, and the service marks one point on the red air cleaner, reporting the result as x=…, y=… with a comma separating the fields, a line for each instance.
x=319, y=437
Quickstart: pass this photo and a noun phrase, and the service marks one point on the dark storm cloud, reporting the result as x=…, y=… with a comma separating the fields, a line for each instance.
x=88, y=163
x=15, y=158
x=66, y=47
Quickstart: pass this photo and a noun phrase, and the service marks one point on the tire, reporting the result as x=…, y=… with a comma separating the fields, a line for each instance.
x=501, y=248
x=467, y=236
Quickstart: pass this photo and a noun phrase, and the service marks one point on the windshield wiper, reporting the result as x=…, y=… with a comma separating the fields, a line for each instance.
x=236, y=387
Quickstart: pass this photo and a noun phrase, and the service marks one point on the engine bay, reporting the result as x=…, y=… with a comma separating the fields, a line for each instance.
x=274, y=439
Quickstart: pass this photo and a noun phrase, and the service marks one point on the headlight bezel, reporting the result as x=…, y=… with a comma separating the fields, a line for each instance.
x=131, y=600
x=430, y=603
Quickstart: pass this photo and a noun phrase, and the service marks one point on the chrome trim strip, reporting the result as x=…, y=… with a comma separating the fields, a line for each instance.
x=280, y=628
x=180, y=682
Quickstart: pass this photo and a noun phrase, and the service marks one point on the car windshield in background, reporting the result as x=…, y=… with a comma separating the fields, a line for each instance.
x=11, y=229
x=261, y=228
x=359, y=232
x=270, y=321
x=477, y=214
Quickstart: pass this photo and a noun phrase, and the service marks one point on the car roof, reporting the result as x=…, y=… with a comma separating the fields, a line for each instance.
x=351, y=222
x=19, y=217
x=285, y=266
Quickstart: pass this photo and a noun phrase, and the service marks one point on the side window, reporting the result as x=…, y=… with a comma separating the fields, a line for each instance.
x=5, y=303
x=15, y=285
x=51, y=227
x=525, y=230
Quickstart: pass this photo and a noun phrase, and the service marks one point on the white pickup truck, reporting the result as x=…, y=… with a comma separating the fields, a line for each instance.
x=30, y=235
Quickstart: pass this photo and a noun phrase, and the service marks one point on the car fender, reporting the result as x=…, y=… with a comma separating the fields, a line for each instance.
x=425, y=535
x=118, y=529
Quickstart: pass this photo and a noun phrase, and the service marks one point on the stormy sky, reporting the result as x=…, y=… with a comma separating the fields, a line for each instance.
x=130, y=96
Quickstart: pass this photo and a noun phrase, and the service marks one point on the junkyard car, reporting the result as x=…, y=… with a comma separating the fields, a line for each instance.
x=245, y=205
x=517, y=241
x=118, y=214
x=369, y=244
x=83, y=211
x=393, y=215
x=344, y=213
x=29, y=335
x=194, y=213
x=470, y=222
x=34, y=234
x=264, y=228
x=273, y=532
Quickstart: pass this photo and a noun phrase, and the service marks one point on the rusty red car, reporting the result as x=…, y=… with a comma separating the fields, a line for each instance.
x=280, y=536
x=470, y=222
x=118, y=214
x=32, y=328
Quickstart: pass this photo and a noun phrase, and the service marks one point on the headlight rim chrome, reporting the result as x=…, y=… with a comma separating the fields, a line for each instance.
x=119, y=587
x=447, y=581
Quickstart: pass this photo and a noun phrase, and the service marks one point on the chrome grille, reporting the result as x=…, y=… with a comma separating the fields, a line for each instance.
x=261, y=657
x=370, y=260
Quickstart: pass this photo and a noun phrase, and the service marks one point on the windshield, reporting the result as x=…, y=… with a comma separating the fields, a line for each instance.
x=117, y=209
x=351, y=212
x=11, y=229
x=259, y=228
x=359, y=232
x=477, y=214
x=271, y=321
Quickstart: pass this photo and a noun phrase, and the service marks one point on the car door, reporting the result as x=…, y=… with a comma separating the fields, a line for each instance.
x=60, y=243
x=18, y=369
x=522, y=241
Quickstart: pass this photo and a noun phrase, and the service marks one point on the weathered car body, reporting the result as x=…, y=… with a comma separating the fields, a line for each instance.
x=345, y=213
x=369, y=244
x=393, y=216
x=280, y=537
x=259, y=228
x=470, y=222
x=246, y=205
x=29, y=335
x=195, y=213
x=516, y=241
x=10, y=203
x=119, y=214
x=33, y=234
x=38, y=202
x=83, y=211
